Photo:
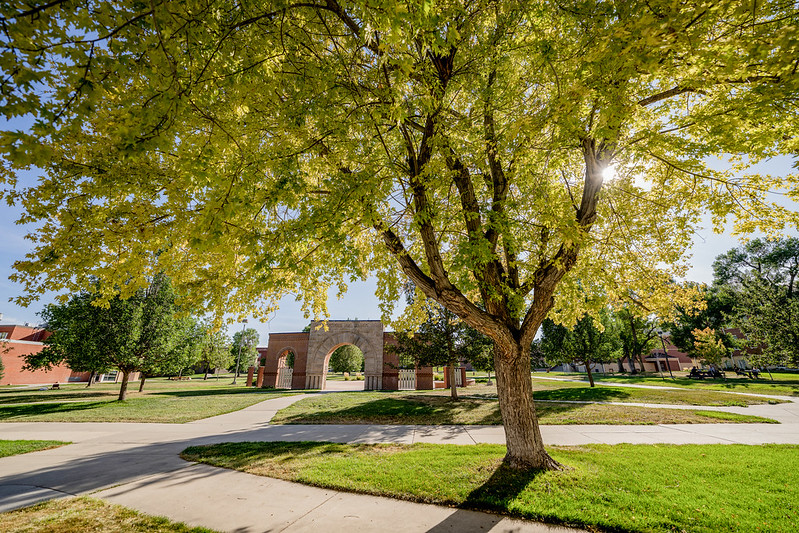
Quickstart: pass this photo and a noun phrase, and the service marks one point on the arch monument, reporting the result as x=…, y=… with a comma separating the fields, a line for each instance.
x=312, y=351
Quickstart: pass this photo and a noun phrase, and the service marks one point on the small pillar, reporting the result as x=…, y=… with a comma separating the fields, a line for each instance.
x=259, y=381
x=250, y=373
x=424, y=378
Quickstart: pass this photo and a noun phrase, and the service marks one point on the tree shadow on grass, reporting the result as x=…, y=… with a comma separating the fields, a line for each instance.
x=582, y=394
x=12, y=412
x=381, y=411
x=218, y=392
x=55, y=397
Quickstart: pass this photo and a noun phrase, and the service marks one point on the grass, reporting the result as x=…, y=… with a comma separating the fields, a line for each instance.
x=83, y=514
x=697, y=488
x=434, y=408
x=784, y=384
x=555, y=390
x=17, y=447
x=162, y=401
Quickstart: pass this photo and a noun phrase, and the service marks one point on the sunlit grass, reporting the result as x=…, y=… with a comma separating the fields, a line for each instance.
x=70, y=515
x=436, y=408
x=700, y=488
x=162, y=401
x=16, y=447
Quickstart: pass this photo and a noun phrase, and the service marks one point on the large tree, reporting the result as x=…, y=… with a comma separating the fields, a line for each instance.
x=142, y=333
x=256, y=149
x=760, y=278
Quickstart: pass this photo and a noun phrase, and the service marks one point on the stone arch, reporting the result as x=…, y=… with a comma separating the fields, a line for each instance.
x=367, y=335
x=312, y=352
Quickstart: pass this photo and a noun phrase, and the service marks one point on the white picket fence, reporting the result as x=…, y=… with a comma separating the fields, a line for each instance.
x=407, y=379
x=458, y=377
x=284, y=378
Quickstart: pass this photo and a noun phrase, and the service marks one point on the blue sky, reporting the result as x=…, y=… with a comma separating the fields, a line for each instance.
x=359, y=302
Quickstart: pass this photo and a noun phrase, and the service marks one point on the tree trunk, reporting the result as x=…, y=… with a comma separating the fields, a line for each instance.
x=453, y=388
x=91, y=378
x=141, y=382
x=590, y=375
x=515, y=391
x=123, y=389
x=205, y=377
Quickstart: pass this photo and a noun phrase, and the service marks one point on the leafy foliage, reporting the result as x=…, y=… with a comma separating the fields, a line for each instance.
x=253, y=150
x=142, y=333
x=246, y=340
x=586, y=342
x=215, y=350
x=347, y=358
x=708, y=347
x=637, y=335
x=717, y=306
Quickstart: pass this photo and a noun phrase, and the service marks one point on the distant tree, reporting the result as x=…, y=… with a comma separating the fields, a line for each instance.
x=762, y=275
x=719, y=302
x=131, y=335
x=585, y=343
x=773, y=261
x=185, y=351
x=709, y=347
x=347, y=358
x=637, y=335
x=215, y=350
x=248, y=340
x=76, y=338
x=769, y=319
x=442, y=339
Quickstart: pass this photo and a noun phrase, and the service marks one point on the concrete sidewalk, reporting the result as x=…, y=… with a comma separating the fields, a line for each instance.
x=137, y=465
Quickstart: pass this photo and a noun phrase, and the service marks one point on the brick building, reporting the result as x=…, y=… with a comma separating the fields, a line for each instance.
x=17, y=341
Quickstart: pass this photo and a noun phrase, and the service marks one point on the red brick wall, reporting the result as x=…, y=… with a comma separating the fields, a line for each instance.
x=12, y=352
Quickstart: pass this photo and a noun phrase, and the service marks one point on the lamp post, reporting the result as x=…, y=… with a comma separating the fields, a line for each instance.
x=238, y=357
x=663, y=343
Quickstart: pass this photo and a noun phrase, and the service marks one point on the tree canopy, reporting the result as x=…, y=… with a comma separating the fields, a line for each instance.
x=251, y=150
x=142, y=333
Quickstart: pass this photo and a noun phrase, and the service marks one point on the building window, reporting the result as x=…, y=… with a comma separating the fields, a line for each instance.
x=3, y=334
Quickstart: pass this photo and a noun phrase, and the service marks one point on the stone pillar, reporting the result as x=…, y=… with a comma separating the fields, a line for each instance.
x=250, y=373
x=462, y=370
x=259, y=382
x=424, y=378
x=446, y=377
x=390, y=363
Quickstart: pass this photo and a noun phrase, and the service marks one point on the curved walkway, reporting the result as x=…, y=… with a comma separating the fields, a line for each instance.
x=137, y=465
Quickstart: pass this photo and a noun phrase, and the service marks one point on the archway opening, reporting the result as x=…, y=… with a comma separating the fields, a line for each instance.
x=344, y=368
x=285, y=369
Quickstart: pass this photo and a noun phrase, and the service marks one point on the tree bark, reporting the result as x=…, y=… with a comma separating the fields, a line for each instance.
x=123, y=388
x=590, y=375
x=141, y=382
x=515, y=391
x=91, y=379
x=453, y=388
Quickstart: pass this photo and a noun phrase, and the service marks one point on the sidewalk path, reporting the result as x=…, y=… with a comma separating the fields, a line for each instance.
x=137, y=465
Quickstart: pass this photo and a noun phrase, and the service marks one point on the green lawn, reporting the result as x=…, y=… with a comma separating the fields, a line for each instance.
x=68, y=515
x=632, y=488
x=436, y=408
x=16, y=447
x=161, y=401
x=784, y=384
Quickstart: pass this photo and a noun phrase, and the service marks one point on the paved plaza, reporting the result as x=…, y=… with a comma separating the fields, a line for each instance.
x=137, y=465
